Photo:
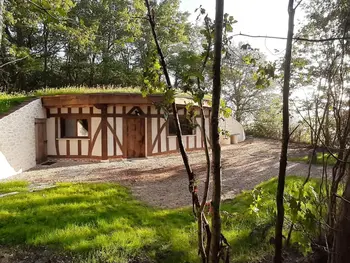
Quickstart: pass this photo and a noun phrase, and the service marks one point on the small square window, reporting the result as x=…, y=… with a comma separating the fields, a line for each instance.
x=72, y=128
x=186, y=125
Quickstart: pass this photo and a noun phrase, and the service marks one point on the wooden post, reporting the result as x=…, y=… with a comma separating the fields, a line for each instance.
x=104, y=132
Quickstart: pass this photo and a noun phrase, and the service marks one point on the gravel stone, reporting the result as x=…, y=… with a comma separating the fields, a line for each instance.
x=162, y=181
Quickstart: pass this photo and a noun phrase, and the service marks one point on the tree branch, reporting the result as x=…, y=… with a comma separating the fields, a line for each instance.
x=13, y=61
x=294, y=38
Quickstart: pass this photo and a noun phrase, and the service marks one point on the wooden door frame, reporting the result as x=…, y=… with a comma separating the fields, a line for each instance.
x=41, y=121
x=125, y=136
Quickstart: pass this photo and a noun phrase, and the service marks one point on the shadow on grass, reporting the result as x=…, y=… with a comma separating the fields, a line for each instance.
x=86, y=217
x=103, y=223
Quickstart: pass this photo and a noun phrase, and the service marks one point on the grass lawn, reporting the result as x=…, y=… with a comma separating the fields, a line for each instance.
x=104, y=223
x=319, y=161
x=17, y=186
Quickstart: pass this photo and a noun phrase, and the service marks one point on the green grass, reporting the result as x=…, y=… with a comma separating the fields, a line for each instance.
x=17, y=186
x=87, y=90
x=7, y=101
x=319, y=159
x=103, y=223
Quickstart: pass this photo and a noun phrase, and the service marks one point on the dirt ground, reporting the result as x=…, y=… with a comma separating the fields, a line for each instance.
x=162, y=181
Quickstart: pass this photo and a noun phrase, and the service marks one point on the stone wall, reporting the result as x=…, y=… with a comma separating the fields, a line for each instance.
x=17, y=139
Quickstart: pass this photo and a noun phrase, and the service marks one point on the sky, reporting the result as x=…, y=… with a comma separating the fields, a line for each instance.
x=255, y=17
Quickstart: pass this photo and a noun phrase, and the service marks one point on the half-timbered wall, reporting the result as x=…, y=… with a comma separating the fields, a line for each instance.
x=108, y=132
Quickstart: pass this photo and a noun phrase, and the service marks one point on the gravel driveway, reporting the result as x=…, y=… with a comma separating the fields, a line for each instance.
x=162, y=181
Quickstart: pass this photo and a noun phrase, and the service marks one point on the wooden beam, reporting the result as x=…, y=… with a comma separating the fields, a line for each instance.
x=81, y=100
x=149, y=132
x=104, y=132
x=159, y=133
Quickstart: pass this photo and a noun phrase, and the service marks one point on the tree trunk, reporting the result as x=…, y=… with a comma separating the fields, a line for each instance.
x=92, y=71
x=285, y=137
x=1, y=18
x=342, y=235
x=216, y=149
x=46, y=36
x=20, y=82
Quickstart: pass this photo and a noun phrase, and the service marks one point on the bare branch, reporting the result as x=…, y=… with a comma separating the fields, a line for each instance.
x=297, y=5
x=295, y=38
x=342, y=198
x=13, y=61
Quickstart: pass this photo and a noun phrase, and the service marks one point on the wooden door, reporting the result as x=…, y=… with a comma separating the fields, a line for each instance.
x=41, y=140
x=135, y=137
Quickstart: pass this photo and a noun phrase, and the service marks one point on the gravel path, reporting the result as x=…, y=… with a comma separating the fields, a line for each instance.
x=162, y=181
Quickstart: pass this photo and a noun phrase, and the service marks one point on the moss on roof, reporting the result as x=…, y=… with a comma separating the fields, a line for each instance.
x=7, y=101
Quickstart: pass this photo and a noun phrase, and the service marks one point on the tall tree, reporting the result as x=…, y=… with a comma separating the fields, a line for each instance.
x=1, y=18
x=285, y=137
x=215, y=136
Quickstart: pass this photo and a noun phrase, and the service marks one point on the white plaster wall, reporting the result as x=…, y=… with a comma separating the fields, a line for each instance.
x=97, y=150
x=172, y=143
x=110, y=138
x=154, y=134
x=17, y=139
x=232, y=127
x=50, y=134
x=191, y=141
x=119, y=128
x=85, y=147
x=163, y=136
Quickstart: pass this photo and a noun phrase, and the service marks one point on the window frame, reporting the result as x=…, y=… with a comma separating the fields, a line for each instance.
x=62, y=120
x=181, y=118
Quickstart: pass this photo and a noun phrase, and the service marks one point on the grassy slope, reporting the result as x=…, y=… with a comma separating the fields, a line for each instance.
x=305, y=159
x=103, y=223
x=7, y=101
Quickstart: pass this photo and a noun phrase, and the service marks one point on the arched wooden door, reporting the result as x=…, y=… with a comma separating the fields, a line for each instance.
x=135, y=131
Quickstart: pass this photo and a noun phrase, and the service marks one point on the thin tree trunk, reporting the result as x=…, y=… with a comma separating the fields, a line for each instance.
x=191, y=176
x=216, y=149
x=92, y=70
x=1, y=18
x=342, y=235
x=46, y=36
x=285, y=137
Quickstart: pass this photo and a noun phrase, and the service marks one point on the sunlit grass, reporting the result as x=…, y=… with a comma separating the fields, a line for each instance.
x=16, y=186
x=320, y=158
x=88, y=90
x=104, y=223
x=7, y=101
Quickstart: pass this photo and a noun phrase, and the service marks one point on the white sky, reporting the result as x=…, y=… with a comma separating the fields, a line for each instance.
x=255, y=17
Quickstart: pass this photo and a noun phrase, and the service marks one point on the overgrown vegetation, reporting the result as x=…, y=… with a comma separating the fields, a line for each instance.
x=8, y=101
x=103, y=223
x=319, y=159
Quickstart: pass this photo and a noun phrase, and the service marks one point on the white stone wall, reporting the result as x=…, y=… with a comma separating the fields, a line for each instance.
x=17, y=139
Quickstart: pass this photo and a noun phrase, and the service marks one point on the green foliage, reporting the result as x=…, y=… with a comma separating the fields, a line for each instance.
x=268, y=120
x=320, y=159
x=302, y=206
x=83, y=42
x=8, y=101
